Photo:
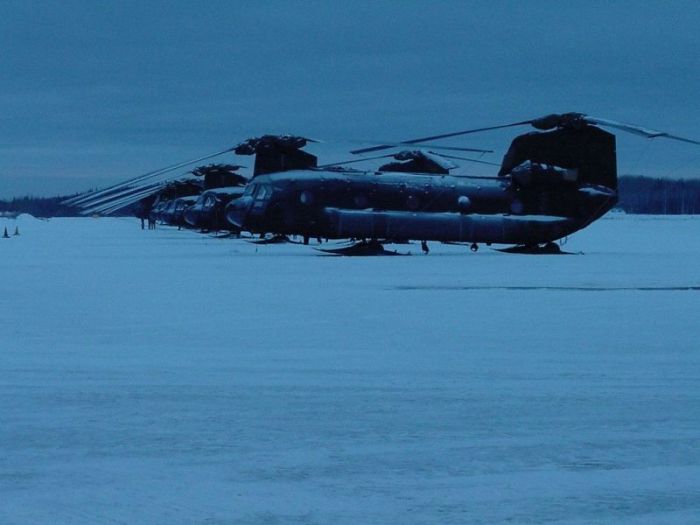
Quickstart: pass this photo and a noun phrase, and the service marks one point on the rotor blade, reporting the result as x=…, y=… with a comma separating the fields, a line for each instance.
x=151, y=175
x=390, y=145
x=440, y=160
x=154, y=173
x=117, y=194
x=450, y=148
x=116, y=205
x=108, y=201
x=637, y=130
x=391, y=155
x=415, y=142
x=111, y=209
x=355, y=160
x=145, y=176
x=124, y=201
x=154, y=185
x=120, y=192
x=465, y=158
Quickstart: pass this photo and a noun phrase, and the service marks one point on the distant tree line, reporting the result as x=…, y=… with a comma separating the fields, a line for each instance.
x=659, y=196
x=39, y=207
x=47, y=207
x=643, y=195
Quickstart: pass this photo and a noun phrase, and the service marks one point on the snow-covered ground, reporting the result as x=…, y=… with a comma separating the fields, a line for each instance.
x=170, y=377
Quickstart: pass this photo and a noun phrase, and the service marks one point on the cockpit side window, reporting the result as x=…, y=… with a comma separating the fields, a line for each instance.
x=264, y=192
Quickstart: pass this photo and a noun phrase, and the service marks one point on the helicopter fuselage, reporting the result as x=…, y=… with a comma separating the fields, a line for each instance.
x=407, y=206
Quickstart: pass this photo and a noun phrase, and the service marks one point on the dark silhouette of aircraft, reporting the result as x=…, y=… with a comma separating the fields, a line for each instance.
x=551, y=183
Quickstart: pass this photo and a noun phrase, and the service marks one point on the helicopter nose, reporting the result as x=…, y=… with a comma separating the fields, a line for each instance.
x=191, y=216
x=237, y=209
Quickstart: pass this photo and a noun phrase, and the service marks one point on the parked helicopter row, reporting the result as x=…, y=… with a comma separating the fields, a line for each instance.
x=205, y=211
x=551, y=183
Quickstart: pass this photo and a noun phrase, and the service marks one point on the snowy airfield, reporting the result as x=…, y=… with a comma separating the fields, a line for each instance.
x=171, y=377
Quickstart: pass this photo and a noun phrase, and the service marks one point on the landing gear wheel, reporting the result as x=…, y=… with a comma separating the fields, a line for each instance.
x=277, y=239
x=550, y=248
x=362, y=248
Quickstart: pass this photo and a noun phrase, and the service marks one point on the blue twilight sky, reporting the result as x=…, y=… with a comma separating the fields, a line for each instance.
x=95, y=92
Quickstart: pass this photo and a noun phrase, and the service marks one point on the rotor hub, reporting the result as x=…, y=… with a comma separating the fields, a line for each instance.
x=560, y=120
x=270, y=144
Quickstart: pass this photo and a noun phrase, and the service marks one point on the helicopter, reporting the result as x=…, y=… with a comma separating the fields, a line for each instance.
x=173, y=212
x=551, y=183
x=154, y=196
x=168, y=204
x=207, y=213
x=221, y=184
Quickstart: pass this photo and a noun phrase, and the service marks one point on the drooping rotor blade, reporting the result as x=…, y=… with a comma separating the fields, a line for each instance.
x=439, y=159
x=391, y=155
x=87, y=196
x=363, y=159
x=389, y=145
x=466, y=158
x=122, y=192
x=154, y=173
x=637, y=130
x=415, y=142
x=124, y=201
x=136, y=195
x=114, y=207
x=140, y=179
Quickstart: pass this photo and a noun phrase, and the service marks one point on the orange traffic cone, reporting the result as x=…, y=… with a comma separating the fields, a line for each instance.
x=16, y=231
x=5, y=236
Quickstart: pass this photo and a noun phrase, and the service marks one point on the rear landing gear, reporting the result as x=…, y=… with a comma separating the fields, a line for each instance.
x=276, y=239
x=362, y=248
x=550, y=248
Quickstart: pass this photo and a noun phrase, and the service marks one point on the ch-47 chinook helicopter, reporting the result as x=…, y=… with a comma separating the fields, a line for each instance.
x=551, y=183
x=221, y=185
x=155, y=193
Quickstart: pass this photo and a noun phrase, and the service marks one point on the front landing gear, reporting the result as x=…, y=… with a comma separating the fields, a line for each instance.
x=275, y=239
x=362, y=248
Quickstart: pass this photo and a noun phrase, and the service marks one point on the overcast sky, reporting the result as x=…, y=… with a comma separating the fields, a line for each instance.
x=95, y=92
